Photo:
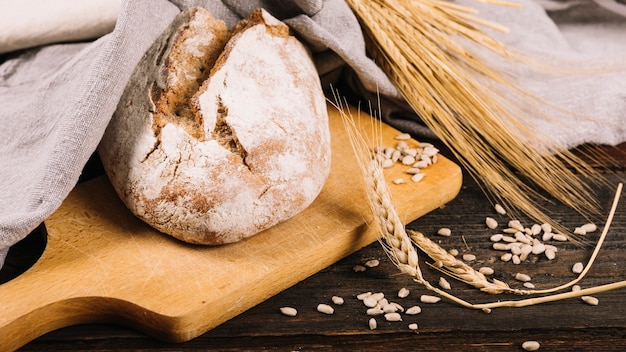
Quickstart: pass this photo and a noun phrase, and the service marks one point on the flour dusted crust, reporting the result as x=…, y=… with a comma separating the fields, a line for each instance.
x=219, y=135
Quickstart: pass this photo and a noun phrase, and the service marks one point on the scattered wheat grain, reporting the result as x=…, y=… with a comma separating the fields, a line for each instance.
x=364, y=295
x=443, y=283
x=499, y=209
x=372, y=263
x=374, y=312
x=325, y=308
x=496, y=237
x=590, y=300
x=393, y=317
x=589, y=227
x=358, y=268
x=444, y=231
x=370, y=302
x=413, y=310
x=398, y=181
x=372, y=324
x=531, y=345
x=403, y=137
x=413, y=326
x=485, y=270
x=429, y=299
x=289, y=311
x=491, y=223
x=469, y=257
x=337, y=300
x=403, y=292
x=577, y=268
x=522, y=277
x=417, y=177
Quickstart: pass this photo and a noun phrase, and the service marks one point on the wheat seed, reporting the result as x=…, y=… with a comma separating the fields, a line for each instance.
x=535, y=229
x=550, y=254
x=509, y=239
x=496, y=237
x=529, y=285
x=370, y=302
x=469, y=257
x=393, y=317
x=516, y=259
x=516, y=224
x=413, y=310
x=364, y=295
x=374, y=312
x=453, y=252
x=289, y=311
x=358, y=268
x=429, y=299
x=590, y=227
x=522, y=277
x=403, y=292
x=389, y=308
x=325, y=308
x=372, y=324
x=576, y=288
x=399, y=308
x=444, y=231
x=372, y=263
x=577, y=268
x=531, y=346
x=444, y=283
x=501, y=246
x=590, y=300
x=506, y=257
x=499, y=209
x=417, y=177
x=485, y=270
x=337, y=300
x=491, y=223
x=413, y=171
x=403, y=137
x=538, y=248
x=413, y=326
x=559, y=237
x=398, y=181
x=547, y=236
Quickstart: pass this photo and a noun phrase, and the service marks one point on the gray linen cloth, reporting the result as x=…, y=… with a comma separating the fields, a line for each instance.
x=56, y=99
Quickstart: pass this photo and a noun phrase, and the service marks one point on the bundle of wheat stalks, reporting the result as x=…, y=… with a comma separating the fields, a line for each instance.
x=458, y=97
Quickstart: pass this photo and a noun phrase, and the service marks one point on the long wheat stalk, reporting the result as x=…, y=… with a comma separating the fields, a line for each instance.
x=459, y=97
x=399, y=246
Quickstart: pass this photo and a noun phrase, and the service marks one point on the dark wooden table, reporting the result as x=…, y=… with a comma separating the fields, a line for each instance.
x=569, y=325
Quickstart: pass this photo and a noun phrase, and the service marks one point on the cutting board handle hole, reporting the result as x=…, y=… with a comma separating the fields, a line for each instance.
x=24, y=254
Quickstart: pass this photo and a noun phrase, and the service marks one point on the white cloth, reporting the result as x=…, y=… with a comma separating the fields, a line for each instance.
x=57, y=98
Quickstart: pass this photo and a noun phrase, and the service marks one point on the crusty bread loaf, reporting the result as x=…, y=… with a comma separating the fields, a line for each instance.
x=219, y=135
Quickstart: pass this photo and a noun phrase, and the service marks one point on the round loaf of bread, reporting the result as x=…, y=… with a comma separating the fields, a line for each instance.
x=219, y=134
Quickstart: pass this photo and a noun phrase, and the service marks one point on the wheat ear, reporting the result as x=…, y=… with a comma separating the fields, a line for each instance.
x=393, y=237
x=461, y=99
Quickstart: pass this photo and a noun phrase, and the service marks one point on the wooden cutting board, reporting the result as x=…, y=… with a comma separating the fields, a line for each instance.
x=101, y=264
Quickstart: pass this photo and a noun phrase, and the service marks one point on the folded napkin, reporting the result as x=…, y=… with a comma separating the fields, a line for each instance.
x=57, y=94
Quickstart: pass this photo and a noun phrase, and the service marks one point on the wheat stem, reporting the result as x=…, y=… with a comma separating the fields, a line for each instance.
x=460, y=98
